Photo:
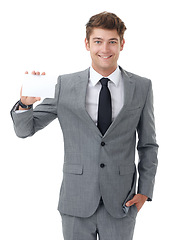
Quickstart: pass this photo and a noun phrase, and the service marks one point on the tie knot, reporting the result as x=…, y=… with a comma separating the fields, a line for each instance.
x=104, y=81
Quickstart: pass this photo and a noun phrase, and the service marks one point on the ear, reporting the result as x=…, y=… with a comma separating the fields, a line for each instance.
x=87, y=44
x=122, y=44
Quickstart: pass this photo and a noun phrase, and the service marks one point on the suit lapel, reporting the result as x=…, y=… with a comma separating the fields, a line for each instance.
x=129, y=86
x=81, y=89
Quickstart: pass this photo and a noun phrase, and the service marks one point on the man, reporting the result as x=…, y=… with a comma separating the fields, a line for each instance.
x=99, y=110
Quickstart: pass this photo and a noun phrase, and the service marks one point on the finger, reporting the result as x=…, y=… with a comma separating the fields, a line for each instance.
x=26, y=72
x=130, y=203
x=21, y=92
x=38, y=98
x=43, y=73
x=37, y=73
x=34, y=73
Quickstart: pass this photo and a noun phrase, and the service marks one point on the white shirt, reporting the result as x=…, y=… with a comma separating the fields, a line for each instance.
x=116, y=88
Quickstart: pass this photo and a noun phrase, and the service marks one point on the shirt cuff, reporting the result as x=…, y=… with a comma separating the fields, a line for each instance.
x=16, y=109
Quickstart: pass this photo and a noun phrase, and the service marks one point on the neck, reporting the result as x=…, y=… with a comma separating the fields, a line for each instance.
x=104, y=72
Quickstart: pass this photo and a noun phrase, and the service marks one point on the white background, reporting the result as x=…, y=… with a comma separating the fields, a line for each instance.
x=49, y=36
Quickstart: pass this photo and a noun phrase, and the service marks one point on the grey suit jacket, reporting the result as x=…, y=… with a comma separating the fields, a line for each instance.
x=96, y=165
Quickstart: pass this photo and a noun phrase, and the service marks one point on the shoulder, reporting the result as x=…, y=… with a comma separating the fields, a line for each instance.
x=140, y=81
x=142, y=84
x=138, y=78
x=74, y=75
x=69, y=81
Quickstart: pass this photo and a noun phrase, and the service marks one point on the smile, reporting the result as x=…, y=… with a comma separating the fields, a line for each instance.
x=105, y=57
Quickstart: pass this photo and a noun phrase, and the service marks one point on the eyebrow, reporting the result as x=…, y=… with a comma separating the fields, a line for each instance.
x=116, y=39
x=98, y=38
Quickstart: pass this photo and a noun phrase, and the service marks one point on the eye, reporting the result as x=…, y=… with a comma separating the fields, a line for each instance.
x=97, y=42
x=113, y=42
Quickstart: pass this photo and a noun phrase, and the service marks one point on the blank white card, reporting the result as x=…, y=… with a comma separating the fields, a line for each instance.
x=39, y=86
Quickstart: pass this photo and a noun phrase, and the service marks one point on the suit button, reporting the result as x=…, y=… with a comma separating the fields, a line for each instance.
x=102, y=165
x=102, y=143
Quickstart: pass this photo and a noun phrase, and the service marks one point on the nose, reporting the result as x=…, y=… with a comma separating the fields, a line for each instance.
x=105, y=47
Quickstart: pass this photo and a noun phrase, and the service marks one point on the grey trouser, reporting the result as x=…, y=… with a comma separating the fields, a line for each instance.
x=101, y=223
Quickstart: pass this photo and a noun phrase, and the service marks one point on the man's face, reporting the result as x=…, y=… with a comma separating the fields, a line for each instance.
x=104, y=46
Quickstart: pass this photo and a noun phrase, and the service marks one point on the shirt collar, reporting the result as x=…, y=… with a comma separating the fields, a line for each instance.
x=114, y=77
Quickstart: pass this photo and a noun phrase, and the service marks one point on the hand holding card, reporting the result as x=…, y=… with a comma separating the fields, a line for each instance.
x=36, y=85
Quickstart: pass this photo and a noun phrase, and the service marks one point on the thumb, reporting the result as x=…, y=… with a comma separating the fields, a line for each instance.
x=37, y=98
x=131, y=202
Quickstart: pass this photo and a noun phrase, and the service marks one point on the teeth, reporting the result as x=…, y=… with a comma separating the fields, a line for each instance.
x=105, y=57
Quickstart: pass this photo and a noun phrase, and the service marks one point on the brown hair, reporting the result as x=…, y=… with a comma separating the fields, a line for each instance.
x=105, y=20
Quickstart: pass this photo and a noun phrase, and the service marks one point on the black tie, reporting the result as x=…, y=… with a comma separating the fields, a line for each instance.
x=104, y=107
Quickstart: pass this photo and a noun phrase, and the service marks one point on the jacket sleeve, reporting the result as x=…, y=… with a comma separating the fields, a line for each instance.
x=147, y=148
x=29, y=122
